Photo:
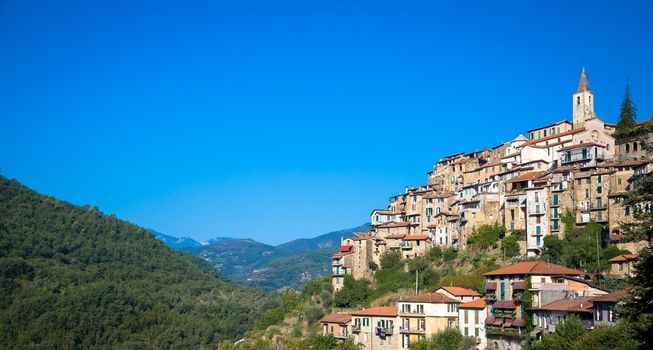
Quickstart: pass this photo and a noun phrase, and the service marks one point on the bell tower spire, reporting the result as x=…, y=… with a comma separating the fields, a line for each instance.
x=583, y=101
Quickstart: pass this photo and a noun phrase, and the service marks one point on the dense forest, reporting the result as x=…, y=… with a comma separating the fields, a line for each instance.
x=72, y=277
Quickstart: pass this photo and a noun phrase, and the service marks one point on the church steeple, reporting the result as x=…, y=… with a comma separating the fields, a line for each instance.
x=583, y=101
x=583, y=84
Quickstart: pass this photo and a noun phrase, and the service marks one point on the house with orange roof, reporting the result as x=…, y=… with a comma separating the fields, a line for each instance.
x=505, y=293
x=552, y=314
x=622, y=265
x=425, y=314
x=336, y=324
x=460, y=293
x=471, y=321
x=376, y=328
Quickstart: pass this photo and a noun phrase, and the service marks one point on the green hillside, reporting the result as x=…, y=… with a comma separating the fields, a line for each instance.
x=289, y=265
x=72, y=277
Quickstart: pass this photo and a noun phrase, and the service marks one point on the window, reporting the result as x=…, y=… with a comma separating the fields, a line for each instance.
x=627, y=148
x=466, y=316
x=599, y=202
x=476, y=317
x=619, y=181
x=466, y=332
x=502, y=289
x=538, y=229
x=587, y=193
x=476, y=332
x=555, y=199
x=599, y=179
x=627, y=211
x=634, y=146
x=578, y=100
x=366, y=322
x=599, y=189
x=600, y=216
x=538, y=241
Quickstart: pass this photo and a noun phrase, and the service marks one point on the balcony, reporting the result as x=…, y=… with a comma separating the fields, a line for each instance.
x=407, y=246
x=356, y=328
x=341, y=335
x=408, y=330
x=558, y=187
x=382, y=332
x=339, y=272
x=411, y=314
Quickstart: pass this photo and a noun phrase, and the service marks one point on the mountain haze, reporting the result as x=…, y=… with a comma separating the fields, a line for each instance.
x=290, y=264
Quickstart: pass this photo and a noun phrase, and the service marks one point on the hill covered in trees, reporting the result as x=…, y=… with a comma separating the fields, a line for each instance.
x=288, y=265
x=72, y=277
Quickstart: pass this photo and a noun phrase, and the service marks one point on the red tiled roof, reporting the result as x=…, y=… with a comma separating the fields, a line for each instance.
x=416, y=237
x=535, y=268
x=476, y=304
x=550, y=125
x=519, y=285
x=580, y=304
x=390, y=311
x=612, y=297
x=461, y=291
x=623, y=257
x=383, y=211
x=345, y=248
x=393, y=224
x=527, y=176
x=554, y=136
x=519, y=322
x=397, y=236
x=339, y=318
x=431, y=298
x=491, y=286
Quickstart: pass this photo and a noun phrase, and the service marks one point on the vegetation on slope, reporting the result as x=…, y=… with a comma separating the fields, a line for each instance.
x=289, y=265
x=72, y=277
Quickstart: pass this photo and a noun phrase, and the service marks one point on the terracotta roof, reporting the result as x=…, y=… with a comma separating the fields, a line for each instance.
x=394, y=224
x=476, y=304
x=618, y=194
x=439, y=195
x=623, y=257
x=511, y=155
x=416, y=237
x=461, y=291
x=390, y=311
x=397, y=236
x=535, y=268
x=579, y=304
x=550, y=125
x=340, y=318
x=550, y=144
x=431, y=298
x=345, y=248
x=612, y=297
x=581, y=145
x=527, y=176
x=536, y=141
x=383, y=211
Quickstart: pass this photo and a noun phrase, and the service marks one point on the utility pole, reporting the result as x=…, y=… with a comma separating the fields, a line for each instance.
x=416, y=282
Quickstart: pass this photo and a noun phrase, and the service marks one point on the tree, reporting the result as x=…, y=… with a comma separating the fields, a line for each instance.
x=435, y=254
x=390, y=259
x=313, y=314
x=349, y=344
x=486, y=236
x=448, y=339
x=353, y=293
x=289, y=300
x=608, y=337
x=510, y=246
x=567, y=333
x=323, y=342
x=419, y=263
x=552, y=249
x=627, y=115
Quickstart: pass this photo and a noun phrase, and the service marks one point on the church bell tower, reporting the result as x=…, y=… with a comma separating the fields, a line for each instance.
x=583, y=102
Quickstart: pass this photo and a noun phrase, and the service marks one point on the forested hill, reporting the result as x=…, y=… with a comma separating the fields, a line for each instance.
x=72, y=277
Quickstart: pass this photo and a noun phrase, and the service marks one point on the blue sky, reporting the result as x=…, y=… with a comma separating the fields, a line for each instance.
x=276, y=120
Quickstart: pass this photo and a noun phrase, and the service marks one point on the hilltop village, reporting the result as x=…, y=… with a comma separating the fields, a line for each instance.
x=528, y=185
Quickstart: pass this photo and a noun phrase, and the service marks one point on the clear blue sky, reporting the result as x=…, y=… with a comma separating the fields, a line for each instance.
x=276, y=120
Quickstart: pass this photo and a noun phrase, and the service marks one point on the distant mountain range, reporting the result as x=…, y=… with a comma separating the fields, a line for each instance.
x=255, y=264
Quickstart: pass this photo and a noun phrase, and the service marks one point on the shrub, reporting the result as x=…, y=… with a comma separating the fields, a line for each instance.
x=486, y=236
x=353, y=293
x=510, y=246
x=390, y=259
x=313, y=314
x=435, y=254
x=450, y=254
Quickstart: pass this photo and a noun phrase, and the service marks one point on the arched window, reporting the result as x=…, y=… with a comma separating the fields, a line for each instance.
x=578, y=100
x=634, y=146
x=627, y=148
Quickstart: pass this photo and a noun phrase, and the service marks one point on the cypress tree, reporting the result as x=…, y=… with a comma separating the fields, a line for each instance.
x=627, y=114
